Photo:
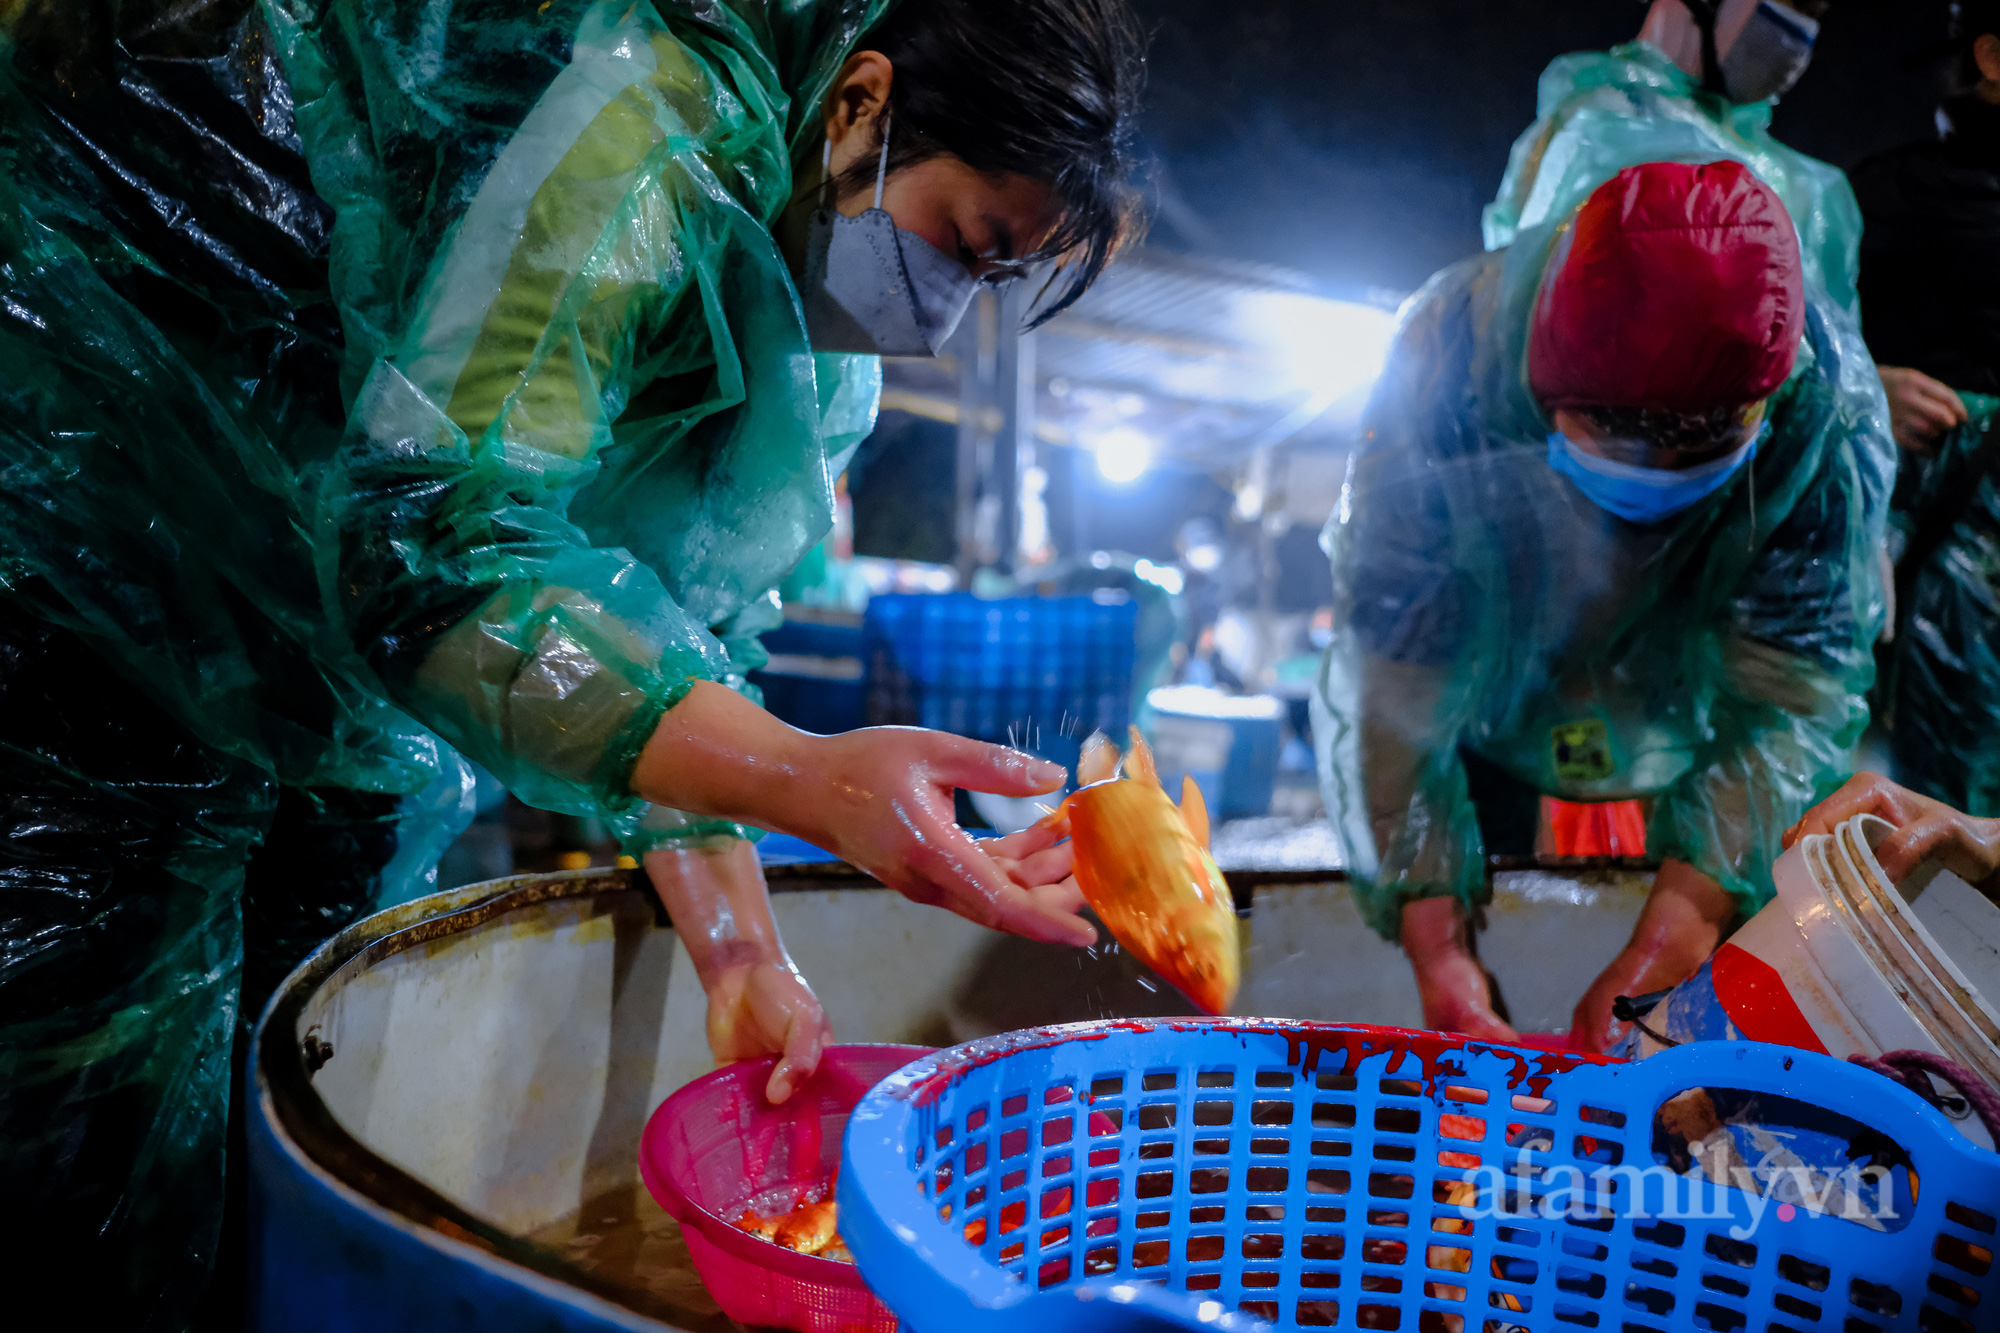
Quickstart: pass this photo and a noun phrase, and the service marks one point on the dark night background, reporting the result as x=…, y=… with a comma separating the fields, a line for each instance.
x=1356, y=140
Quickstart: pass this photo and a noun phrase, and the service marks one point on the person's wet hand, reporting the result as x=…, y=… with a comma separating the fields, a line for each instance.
x=1457, y=997
x=881, y=798
x=885, y=804
x=1921, y=409
x=1677, y=930
x=1926, y=830
x=762, y=1009
x=1040, y=858
x=1456, y=992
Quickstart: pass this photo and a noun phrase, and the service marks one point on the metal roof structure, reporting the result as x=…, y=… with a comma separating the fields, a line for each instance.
x=1208, y=360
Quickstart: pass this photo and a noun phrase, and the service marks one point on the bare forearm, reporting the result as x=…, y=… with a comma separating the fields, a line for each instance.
x=720, y=905
x=1686, y=912
x=715, y=753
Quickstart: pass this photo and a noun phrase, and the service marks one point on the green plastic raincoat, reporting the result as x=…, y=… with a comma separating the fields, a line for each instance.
x=588, y=435
x=1599, y=112
x=515, y=470
x=1945, y=679
x=1715, y=662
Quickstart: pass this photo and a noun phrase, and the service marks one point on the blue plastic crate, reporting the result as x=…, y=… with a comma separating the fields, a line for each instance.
x=1022, y=670
x=1237, y=1172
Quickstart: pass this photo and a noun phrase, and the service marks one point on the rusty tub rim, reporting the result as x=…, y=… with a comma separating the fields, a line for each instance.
x=319, y=1144
x=308, y=1132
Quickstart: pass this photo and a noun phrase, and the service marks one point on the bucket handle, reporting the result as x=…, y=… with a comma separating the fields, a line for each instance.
x=1910, y=1067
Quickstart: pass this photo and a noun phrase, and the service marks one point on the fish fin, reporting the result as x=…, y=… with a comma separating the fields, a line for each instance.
x=1194, y=810
x=1098, y=761
x=1139, y=764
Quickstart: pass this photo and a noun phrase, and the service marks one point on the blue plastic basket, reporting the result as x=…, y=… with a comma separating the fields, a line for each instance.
x=1189, y=1174
x=1025, y=670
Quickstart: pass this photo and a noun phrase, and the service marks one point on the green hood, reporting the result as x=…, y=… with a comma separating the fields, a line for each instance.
x=587, y=433
x=1599, y=112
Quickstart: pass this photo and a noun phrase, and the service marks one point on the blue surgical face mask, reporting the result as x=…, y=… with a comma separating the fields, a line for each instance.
x=1644, y=494
x=871, y=286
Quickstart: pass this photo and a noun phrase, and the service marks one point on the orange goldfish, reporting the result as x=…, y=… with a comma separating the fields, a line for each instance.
x=763, y=1228
x=809, y=1228
x=1145, y=870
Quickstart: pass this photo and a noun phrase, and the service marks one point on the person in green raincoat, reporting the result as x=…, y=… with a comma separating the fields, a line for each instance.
x=1696, y=85
x=1612, y=533
x=1930, y=273
x=388, y=382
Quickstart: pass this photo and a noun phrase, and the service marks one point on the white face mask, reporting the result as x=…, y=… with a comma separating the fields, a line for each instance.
x=870, y=286
x=1770, y=55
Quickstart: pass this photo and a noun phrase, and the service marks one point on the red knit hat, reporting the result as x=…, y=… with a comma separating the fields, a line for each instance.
x=1682, y=291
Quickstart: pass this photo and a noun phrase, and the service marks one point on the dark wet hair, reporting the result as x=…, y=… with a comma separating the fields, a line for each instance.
x=1669, y=429
x=1046, y=89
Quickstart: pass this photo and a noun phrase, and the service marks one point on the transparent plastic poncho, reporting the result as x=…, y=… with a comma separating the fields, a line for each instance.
x=1599, y=112
x=1715, y=663
x=1944, y=684
x=587, y=434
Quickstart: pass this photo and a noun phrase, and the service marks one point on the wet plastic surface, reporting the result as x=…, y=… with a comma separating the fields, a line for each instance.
x=1945, y=677
x=1715, y=661
x=1101, y=1177
x=1599, y=112
x=168, y=353
x=219, y=223
x=717, y=1144
x=588, y=435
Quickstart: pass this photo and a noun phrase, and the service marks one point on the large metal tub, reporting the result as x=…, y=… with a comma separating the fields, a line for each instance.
x=438, y=1091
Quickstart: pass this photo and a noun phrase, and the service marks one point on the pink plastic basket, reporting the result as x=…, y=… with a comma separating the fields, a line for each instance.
x=716, y=1144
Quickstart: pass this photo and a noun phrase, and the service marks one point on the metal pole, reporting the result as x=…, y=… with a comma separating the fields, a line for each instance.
x=972, y=348
x=1014, y=448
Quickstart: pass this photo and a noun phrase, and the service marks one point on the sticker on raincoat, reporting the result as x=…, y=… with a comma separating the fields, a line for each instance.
x=1582, y=751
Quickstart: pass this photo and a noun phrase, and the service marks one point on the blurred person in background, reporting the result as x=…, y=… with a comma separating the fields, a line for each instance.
x=1613, y=533
x=1697, y=84
x=384, y=382
x=1930, y=286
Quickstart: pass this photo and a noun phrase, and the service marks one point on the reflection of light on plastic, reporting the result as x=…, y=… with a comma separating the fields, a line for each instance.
x=1204, y=558
x=1123, y=455
x=1162, y=576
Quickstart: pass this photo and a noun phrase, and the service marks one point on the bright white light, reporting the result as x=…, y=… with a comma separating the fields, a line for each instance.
x=1332, y=347
x=1204, y=558
x=1163, y=576
x=1123, y=455
x=1249, y=501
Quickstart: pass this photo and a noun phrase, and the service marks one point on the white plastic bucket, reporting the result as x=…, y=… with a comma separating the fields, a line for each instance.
x=1846, y=963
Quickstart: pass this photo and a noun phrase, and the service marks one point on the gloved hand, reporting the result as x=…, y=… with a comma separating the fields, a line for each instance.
x=1921, y=409
x=1677, y=930
x=758, y=1004
x=880, y=798
x=1456, y=991
x=1926, y=830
